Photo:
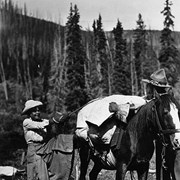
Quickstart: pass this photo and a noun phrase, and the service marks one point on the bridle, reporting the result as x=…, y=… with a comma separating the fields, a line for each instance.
x=161, y=133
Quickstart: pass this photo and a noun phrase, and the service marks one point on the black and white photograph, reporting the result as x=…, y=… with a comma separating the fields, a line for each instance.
x=89, y=90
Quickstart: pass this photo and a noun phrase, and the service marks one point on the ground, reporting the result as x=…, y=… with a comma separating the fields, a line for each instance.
x=103, y=175
x=110, y=175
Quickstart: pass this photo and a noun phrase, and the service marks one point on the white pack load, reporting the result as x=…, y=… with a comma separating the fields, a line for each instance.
x=97, y=111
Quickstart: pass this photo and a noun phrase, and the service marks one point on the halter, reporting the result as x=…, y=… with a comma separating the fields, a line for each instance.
x=161, y=133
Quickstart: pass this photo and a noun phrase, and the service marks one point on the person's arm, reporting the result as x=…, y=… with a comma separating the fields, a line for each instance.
x=29, y=124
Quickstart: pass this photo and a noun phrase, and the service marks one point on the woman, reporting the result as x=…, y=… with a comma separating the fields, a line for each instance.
x=40, y=148
x=35, y=132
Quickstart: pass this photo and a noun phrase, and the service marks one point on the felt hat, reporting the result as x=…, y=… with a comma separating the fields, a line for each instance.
x=31, y=104
x=158, y=78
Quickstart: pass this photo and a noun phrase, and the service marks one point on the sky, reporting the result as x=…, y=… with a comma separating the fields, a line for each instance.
x=111, y=10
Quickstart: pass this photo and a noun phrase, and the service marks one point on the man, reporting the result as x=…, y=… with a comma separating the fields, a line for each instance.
x=157, y=83
x=35, y=132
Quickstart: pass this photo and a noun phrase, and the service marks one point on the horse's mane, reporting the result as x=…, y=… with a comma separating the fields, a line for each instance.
x=140, y=119
x=144, y=115
x=174, y=100
x=168, y=98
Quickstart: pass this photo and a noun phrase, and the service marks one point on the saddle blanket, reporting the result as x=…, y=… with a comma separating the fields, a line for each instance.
x=97, y=111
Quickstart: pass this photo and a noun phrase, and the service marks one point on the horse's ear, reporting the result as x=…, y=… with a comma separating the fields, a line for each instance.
x=156, y=95
x=170, y=91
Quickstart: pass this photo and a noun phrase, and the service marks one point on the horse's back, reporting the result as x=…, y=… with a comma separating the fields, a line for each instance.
x=97, y=111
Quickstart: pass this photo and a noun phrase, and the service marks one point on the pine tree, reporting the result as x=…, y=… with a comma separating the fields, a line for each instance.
x=121, y=70
x=101, y=59
x=75, y=59
x=90, y=67
x=168, y=53
x=56, y=92
x=139, y=47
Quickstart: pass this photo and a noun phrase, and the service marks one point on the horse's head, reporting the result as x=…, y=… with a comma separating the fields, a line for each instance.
x=168, y=118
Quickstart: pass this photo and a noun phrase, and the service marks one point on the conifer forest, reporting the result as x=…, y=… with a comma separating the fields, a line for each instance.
x=65, y=66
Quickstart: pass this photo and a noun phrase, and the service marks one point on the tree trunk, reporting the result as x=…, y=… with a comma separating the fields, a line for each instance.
x=3, y=76
x=132, y=69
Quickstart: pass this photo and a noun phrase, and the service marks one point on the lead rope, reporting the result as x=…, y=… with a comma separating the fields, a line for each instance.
x=164, y=144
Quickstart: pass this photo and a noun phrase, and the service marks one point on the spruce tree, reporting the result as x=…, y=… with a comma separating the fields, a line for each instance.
x=139, y=47
x=121, y=70
x=168, y=54
x=101, y=59
x=75, y=58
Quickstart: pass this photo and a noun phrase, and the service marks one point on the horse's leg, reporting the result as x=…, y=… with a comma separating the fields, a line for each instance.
x=161, y=172
x=168, y=173
x=84, y=160
x=177, y=164
x=121, y=171
x=143, y=171
x=95, y=171
x=158, y=150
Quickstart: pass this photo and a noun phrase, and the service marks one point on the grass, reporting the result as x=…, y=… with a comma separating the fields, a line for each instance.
x=103, y=175
x=110, y=175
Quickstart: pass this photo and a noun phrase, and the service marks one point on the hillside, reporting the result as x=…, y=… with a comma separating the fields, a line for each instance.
x=32, y=56
x=155, y=38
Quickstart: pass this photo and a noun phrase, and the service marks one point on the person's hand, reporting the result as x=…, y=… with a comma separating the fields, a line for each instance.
x=46, y=122
x=94, y=136
x=113, y=107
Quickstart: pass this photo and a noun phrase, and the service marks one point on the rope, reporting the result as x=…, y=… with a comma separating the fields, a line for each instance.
x=170, y=131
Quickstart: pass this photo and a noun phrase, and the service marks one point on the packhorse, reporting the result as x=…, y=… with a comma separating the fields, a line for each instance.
x=134, y=145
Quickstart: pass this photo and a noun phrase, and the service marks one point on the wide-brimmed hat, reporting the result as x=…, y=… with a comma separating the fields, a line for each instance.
x=158, y=78
x=31, y=104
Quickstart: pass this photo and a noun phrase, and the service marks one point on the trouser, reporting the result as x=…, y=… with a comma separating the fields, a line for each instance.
x=36, y=166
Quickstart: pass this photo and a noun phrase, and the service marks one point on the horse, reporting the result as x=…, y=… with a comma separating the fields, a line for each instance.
x=168, y=154
x=135, y=145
